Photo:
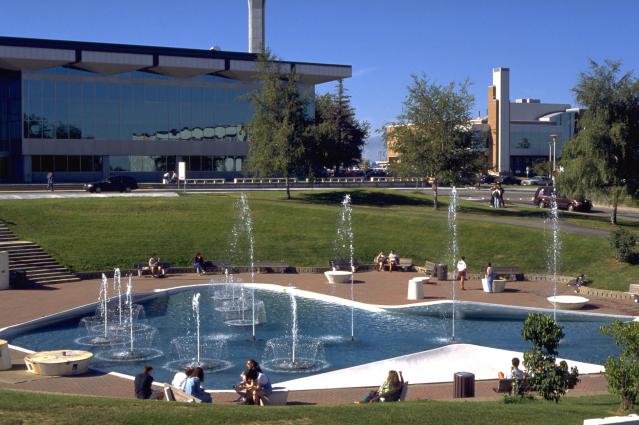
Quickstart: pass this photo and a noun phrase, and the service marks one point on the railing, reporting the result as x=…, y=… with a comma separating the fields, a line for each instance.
x=262, y=181
x=397, y=179
x=204, y=181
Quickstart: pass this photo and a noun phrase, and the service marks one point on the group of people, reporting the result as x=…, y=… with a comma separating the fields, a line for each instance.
x=391, y=261
x=497, y=196
x=462, y=273
x=255, y=385
x=156, y=269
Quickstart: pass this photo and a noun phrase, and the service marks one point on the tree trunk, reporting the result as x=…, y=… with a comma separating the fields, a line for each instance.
x=435, y=200
x=288, y=189
x=613, y=213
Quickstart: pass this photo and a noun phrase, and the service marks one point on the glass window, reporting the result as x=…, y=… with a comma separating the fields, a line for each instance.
x=36, y=164
x=86, y=163
x=195, y=163
x=119, y=163
x=229, y=163
x=238, y=163
x=97, y=163
x=60, y=163
x=74, y=163
x=207, y=163
x=47, y=163
x=219, y=163
x=170, y=163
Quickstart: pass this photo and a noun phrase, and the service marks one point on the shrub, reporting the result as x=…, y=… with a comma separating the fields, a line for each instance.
x=623, y=243
x=622, y=372
x=549, y=379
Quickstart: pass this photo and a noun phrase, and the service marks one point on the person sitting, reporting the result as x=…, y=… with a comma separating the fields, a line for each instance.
x=198, y=263
x=390, y=390
x=155, y=267
x=243, y=389
x=393, y=260
x=515, y=372
x=260, y=388
x=193, y=386
x=179, y=380
x=142, y=385
x=380, y=260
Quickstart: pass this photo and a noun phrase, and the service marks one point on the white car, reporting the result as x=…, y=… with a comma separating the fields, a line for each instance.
x=537, y=181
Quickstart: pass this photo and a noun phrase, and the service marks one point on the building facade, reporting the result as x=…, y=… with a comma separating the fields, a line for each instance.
x=523, y=132
x=89, y=110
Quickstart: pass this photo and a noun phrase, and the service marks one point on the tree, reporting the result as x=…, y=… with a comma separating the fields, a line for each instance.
x=601, y=160
x=549, y=379
x=279, y=124
x=622, y=372
x=338, y=137
x=433, y=136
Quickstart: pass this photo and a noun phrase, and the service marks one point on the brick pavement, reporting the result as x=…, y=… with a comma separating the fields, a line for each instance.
x=382, y=288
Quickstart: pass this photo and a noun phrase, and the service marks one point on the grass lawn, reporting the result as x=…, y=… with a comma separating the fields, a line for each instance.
x=102, y=233
x=46, y=409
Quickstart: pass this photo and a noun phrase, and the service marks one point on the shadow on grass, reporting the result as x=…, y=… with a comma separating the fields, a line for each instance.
x=363, y=197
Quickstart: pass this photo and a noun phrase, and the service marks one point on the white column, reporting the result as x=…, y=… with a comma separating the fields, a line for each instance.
x=501, y=81
x=256, y=23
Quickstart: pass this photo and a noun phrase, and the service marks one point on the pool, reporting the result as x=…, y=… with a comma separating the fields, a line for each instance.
x=380, y=333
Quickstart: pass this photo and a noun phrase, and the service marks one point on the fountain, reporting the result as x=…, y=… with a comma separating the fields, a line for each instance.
x=344, y=252
x=196, y=350
x=294, y=353
x=98, y=327
x=553, y=255
x=133, y=341
x=452, y=228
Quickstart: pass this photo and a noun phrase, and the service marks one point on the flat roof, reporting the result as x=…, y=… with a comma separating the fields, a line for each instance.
x=33, y=54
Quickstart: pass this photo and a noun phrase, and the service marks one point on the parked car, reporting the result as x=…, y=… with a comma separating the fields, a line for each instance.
x=112, y=184
x=543, y=199
x=537, y=181
x=509, y=180
x=487, y=179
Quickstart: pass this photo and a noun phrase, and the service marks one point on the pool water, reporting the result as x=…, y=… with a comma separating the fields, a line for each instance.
x=378, y=335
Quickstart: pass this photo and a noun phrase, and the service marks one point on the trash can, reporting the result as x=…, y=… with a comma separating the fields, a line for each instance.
x=442, y=271
x=464, y=385
x=18, y=279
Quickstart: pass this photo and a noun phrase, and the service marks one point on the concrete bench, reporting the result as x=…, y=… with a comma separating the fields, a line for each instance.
x=279, y=397
x=510, y=272
x=271, y=266
x=405, y=264
x=143, y=268
x=428, y=268
x=173, y=394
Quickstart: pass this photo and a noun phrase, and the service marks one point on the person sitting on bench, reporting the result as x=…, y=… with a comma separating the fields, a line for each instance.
x=515, y=372
x=154, y=266
x=393, y=260
x=380, y=260
x=390, y=390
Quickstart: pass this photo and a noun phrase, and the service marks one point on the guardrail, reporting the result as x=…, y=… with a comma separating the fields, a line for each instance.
x=204, y=181
x=263, y=181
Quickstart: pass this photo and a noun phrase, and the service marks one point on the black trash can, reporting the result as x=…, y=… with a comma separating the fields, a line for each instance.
x=18, y=279
x=442, y=272
x=464, y=385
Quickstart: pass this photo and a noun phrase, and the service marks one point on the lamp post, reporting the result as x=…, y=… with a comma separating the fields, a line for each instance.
x=553, y=155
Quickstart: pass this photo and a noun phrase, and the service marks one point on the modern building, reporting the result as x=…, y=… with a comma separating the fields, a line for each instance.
x=88, y=110
x=516, y=134
x=523, y=132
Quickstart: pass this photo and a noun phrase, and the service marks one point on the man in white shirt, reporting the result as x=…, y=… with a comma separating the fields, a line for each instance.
x=461, y=272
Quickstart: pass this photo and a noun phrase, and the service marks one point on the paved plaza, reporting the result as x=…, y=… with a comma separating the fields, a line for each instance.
x=378, y=288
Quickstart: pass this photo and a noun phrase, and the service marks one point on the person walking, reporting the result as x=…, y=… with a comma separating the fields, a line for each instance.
x=50, y=181
x=461, y=272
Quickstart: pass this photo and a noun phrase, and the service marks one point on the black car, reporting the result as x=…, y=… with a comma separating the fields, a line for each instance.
x=112, y=184
x=509, y=180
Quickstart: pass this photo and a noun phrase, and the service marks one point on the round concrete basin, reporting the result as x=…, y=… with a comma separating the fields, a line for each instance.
x=568, y=302
x=59, y=362
x=338, y=276
x=5, y=355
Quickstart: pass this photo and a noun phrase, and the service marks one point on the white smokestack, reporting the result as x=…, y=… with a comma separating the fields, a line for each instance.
x=256, y=26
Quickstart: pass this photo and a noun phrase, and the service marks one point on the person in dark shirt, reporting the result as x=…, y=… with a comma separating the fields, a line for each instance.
x=142, y=385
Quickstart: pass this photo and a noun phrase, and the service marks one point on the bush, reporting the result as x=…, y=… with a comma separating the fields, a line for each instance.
x=549, y=379
x=623, y=243
x=622, y=372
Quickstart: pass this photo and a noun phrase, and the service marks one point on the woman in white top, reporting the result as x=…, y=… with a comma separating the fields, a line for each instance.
x=461, y=272
x=180, y=378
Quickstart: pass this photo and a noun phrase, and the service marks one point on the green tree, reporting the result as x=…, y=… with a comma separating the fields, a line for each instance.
x=549, y=379
x=279, y=124
x=338, y=137
x=601, y=160
x=622, y=372
x=433, y=136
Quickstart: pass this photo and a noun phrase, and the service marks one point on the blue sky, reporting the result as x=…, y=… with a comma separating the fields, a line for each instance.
x=544, y=43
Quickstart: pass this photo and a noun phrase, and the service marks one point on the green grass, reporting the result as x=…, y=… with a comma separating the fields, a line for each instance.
x=99, y=234
x=47, y=409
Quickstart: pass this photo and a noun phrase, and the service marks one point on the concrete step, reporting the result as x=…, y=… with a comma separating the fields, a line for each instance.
x=29, y=268
x=70, y=278
x=46, y=274
x=29, y=257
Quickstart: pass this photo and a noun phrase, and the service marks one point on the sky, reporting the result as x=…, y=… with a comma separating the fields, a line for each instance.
x=545, y=43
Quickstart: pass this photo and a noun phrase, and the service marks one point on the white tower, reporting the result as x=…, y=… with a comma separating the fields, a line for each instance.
x=256, y=26
x=501, y=81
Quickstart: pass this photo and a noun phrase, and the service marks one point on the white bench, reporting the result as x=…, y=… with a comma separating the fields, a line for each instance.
x=279, y=397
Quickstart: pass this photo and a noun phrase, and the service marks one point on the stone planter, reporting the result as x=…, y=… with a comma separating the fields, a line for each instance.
x=568, y=302
x=59, y=362
x=338, y=276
